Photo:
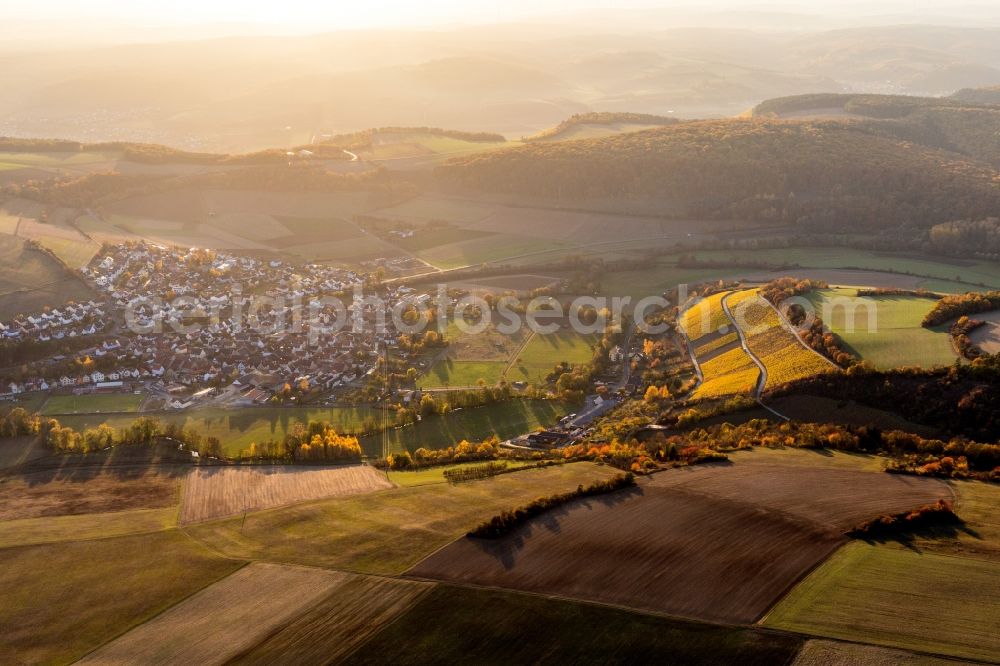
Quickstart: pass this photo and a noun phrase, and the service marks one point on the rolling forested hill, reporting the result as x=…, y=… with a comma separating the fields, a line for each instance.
x=814, y=173
x=964, y=124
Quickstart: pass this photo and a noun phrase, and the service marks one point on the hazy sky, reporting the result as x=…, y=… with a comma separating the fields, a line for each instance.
x=336, y=14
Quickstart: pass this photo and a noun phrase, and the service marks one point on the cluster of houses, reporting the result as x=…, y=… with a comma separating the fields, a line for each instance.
x=173, y=320
x=69, y=321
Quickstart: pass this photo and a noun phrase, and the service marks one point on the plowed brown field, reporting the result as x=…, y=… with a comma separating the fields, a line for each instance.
x=719, y=543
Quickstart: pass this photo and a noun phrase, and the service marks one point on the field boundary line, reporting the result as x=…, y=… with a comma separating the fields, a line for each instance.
x=687, y=343
x=788, y=325
x=429, y=586
x=164, y=610
x=516, y=355
x=762, y=379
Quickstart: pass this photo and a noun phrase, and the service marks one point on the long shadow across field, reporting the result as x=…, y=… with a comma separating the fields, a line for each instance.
x=506, y=550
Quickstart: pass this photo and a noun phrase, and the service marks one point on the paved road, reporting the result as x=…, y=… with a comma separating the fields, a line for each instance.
x=762, y=378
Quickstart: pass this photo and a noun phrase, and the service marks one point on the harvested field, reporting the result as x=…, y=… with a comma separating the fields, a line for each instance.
x=62, y=600
x=215, y=492
x=224, y=619
x=385, y=532
x=358, y=608
x=987, y=337
x=52, y=529
x=834, y=499
x=718, y=542
x=833, y=653
x=80, y=491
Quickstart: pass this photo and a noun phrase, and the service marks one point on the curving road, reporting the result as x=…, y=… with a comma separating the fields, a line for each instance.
x=762, y=378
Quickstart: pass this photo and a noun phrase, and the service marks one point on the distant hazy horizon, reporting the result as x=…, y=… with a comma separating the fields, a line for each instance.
x=116, y=21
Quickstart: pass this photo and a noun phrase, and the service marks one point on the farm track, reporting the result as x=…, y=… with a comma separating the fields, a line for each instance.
x=798, y=336
x=762, y=378
x=516, y=355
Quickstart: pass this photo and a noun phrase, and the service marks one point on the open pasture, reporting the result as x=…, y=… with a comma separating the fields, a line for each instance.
x=80, y=490
x=238, y=428
x=357, y=609
x=905, y=598
x=885, y=330
x=63, y=600
x=485, y=249
x=516, y=283
x=75, y=527
x=504, y=420
x=224, y=619
x=906, y=266
x=93, y=403
x=215, y=492
x=544, y=351
x=717, y=542
x=389, y=531
x=30, y=280
x=474, y=356
x=428, y=207
x=457, y=373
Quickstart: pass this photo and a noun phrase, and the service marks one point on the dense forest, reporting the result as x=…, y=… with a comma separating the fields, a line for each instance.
x=965, y=127
x=819, y=175
x=959, y=400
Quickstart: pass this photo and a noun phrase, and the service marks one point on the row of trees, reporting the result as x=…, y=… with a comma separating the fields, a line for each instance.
x=19, y=422
x=315, y=441
x=507, y=521
x=960, y=335
x=955, y=305
x=866, y=439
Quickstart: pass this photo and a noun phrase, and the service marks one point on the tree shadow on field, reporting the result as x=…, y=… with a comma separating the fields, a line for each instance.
x=121, y=463
x=506, y=548
x=909, y=538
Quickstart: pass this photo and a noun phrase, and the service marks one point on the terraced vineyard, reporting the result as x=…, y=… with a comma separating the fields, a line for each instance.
x=726, y=369
x=728, y=374
x=716, y=344
x=705, y=318
x=781, y=352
